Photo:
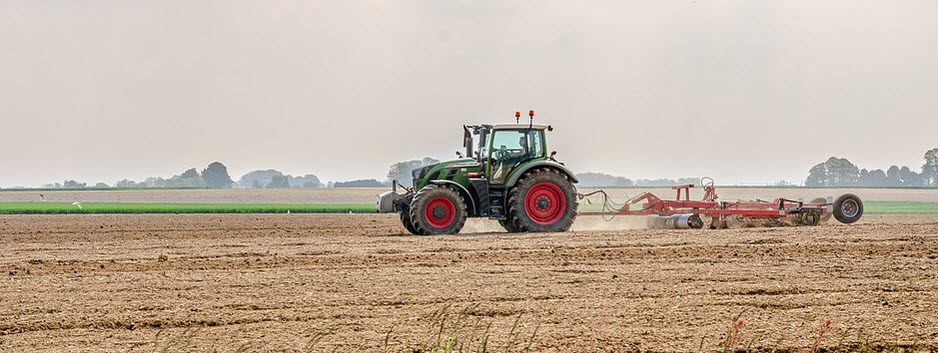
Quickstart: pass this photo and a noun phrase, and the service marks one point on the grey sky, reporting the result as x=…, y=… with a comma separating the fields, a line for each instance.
x=746, y=92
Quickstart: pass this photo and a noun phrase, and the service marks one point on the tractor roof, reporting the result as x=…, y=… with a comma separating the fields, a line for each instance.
x=519, y=127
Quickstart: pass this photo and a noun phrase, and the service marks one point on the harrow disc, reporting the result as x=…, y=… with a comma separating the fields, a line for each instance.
x=827, y=215
x=735, y=222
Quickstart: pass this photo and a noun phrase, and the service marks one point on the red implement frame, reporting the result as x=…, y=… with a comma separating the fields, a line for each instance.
x=778, y=208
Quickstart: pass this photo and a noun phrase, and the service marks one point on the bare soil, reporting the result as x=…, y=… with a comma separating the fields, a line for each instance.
x=94, y=283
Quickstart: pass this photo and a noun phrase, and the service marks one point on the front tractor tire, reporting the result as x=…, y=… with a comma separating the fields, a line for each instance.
x=543, y=200
x=405, y=220
x=437, y=210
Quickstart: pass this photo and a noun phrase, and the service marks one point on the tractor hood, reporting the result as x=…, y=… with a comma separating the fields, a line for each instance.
x=449, y=170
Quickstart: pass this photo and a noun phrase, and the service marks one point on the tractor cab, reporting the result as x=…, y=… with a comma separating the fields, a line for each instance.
x=505, y=174
x=502, y=148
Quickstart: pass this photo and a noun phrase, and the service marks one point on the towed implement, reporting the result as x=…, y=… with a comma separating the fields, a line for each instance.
x=710, y=213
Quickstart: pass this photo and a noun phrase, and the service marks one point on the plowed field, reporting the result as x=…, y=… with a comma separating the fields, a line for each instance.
x=272, y=282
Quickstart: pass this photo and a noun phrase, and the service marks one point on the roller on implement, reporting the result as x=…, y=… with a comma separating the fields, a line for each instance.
x=710, y=213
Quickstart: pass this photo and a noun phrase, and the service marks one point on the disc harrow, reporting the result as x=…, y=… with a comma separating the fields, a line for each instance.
x=711, y=213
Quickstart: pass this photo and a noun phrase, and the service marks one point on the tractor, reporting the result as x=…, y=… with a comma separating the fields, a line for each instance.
x=510, y=177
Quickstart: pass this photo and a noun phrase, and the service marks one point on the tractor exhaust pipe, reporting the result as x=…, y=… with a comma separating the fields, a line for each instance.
x=677, y=221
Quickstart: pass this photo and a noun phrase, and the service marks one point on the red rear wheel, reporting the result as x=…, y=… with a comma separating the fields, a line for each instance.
x=440, y=212
x=543, y=200
x=545, y=203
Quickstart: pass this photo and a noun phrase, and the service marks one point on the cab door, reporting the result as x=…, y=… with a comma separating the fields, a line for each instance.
x=508, y=149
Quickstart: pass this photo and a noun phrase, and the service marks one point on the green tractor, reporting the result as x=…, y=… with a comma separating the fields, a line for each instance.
x=510, y=178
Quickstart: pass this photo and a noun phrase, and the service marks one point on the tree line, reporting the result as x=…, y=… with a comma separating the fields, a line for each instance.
x=841, y=172
x=215, y=176
x=600, y=179
x=833, y=172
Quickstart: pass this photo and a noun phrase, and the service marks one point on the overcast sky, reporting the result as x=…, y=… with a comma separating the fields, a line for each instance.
x=746, y=92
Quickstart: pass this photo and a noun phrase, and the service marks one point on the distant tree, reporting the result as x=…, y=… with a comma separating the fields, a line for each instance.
x=909, y=178
x=656, y=182
x=279, y=182
x=929, y=176
x=262, y=177
x=216, y=176
x=102, y=185
x=892, y=176
x=401, y=171
x=71, y=184
x=875, y=177
x=863, y=178
x=154, y=182
x=834, y=172
x=188, y=179
x=691, y=180
x=256, y=184
x=306, y=181
x=126, y=183
x=361, y=183
x=600, y=179
x=189, y=173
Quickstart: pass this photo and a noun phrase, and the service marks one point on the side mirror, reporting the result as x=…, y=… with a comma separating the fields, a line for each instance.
x=552, y=154
x=458, y=154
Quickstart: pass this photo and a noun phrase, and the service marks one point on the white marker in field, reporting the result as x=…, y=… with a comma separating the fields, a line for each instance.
x=76, y=203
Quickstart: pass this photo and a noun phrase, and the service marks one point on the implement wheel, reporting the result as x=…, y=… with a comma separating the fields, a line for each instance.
x=544, y=200
x=848, y=208
x=437, y=210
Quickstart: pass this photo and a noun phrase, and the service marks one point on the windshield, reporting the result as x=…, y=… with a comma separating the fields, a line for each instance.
x=509, y=148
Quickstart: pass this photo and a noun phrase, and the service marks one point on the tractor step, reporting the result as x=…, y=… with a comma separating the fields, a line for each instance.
x=496, y=208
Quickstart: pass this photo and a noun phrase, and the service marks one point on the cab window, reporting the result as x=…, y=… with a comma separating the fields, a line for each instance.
x=509, y=148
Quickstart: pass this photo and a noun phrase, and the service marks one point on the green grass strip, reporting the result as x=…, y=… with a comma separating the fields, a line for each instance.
x=115, y=207
x=900, y=207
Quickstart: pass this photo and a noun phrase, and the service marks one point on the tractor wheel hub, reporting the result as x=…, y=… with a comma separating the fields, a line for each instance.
x=439, y=212
x=543, y=203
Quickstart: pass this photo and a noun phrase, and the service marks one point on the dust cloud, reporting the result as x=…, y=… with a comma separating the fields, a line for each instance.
x=582, y=223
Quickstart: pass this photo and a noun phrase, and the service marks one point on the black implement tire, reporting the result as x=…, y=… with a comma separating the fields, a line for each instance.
x=437, y=210
x=405, y=220
x=848, y=208
x=509, y=227
x=827, y=215
x=543, y=200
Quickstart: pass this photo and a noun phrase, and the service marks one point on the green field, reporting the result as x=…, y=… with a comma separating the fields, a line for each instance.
x=101, y=207
x=870, y=207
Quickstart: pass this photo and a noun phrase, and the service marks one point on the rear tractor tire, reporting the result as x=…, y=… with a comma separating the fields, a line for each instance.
x=543, y=200
x=437, y=210
x=848, y=208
